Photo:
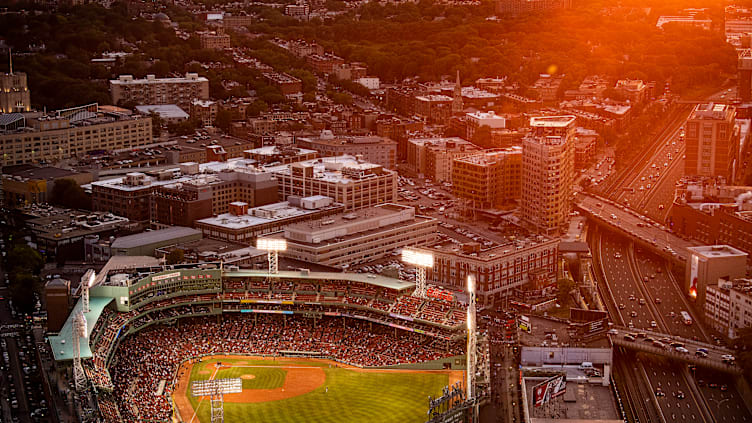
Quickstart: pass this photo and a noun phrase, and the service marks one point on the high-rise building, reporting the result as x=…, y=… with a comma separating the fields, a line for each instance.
x=153, y=90
x=490, y=179
x=14, y=91
x=712, y=141
x=548, y=172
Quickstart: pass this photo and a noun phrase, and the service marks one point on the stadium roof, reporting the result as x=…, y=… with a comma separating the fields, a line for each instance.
x=371, y=279
x=153, y=237
x=63, y=344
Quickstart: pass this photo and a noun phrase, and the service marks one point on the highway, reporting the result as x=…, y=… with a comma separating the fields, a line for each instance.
x=626, y=293
x=650, y=233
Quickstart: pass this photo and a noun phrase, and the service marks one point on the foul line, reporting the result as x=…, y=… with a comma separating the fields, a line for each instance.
x=195, y=412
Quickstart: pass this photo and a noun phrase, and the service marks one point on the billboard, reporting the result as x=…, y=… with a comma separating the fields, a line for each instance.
x=524, y=324
x=694, y=264
x=551, y=388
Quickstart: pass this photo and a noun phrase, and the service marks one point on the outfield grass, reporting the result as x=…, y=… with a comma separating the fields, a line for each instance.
x=399, y=397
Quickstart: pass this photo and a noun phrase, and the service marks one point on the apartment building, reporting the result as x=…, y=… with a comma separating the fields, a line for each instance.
x=548, y=156
x=373, y=149
x=347, y=180
x=712, y=141
x=34, y=137
x=489, y=179
x=243, y=224
x=360, y=236
x=434, y=157
x=728, y=306
x=324, y=63
x=215, y=40
x=204, y=110
x=153, y=90
x=516, y=7
x=287, y=84
x=498, y=270
x=633, y=90
x=477, y=119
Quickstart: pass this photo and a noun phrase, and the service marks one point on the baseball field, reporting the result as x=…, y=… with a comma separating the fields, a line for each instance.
x=310, y=390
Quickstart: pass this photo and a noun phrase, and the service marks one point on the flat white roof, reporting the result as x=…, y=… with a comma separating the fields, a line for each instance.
x=170, y=111
x=262, y=214
x=711, y=251
x=552, y=121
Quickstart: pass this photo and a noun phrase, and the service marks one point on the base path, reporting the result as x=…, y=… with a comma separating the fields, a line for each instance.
x=298, y=381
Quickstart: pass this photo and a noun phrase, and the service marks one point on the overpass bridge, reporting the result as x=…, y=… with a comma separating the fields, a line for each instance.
x=712, y=361
x=644, y=231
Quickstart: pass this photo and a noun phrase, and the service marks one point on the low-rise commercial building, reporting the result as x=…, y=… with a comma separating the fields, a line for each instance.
x=37, y=137
x=243, y=224
x=498, y=270
x=27, y=184
x=351, y=238
x=169, y=113
x=728, y=306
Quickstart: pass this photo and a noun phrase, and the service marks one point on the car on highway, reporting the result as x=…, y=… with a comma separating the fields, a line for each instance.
x=724, y=388
x=653, y=324
x=728, y=358
x=682, y=350
x=613, y=332
x=622, y=306
x=659, y=393
x=679, y=395
x=617, y=255
x=642, y=301
x=629, y=337
x=657, y=300
x=701, y=354
x=632, y=313
x=632, y=298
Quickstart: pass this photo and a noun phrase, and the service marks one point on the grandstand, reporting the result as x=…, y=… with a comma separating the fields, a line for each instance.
x=145, y=320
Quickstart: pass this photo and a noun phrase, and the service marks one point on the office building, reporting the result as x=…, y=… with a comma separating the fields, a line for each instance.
x=182, y=195
x=243, y=224
x=497, y=270
x=489, y=179
x=433, y=158
x=359, y=236
x=548, y=155
x=345, y=179
x=153, y=90
x=373, y=149
x=36, y=137
x=712, y=141
x=708, y=264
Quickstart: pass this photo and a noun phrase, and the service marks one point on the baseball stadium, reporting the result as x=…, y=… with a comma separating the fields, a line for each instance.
x=202, y=343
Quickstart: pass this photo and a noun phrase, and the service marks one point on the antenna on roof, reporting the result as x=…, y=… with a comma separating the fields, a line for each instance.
x=10, y=60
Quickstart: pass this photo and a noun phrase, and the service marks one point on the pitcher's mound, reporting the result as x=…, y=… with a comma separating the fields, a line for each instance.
x=248, y=377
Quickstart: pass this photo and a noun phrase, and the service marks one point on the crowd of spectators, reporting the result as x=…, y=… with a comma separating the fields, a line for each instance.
x=153, y=355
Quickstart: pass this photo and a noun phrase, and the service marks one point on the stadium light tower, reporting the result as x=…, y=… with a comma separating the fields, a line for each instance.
x=421, y=261
x=471, y=337
x=272, y=247
x=87, y=280
x=79, y=331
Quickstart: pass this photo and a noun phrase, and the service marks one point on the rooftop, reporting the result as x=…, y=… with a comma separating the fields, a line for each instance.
x=265, y=214
x=151, y=79
x=63, y=344
x=151, y=237
x=31, y=172
x=715, y=251
x=343, y=169
x=167, y=111
x=552, y=121
x=488, y=157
